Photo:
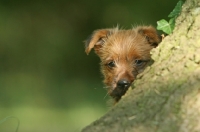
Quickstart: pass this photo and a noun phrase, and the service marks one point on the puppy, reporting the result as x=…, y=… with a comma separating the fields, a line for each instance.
x=123, y=53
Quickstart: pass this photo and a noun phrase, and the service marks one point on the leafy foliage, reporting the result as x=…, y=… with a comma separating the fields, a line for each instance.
x=166, y=26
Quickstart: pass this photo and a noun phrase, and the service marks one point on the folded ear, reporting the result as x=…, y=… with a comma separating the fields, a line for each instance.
x=150, y=34
x=96, y=40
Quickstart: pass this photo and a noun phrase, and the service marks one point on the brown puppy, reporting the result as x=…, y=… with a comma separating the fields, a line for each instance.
x=124, y=54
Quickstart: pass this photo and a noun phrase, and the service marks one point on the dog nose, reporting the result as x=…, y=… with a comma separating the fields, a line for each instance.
x=123, y=83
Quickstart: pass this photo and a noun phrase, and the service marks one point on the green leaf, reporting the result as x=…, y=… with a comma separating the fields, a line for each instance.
x=176, y=10
x=172, y=23
x=164, y=26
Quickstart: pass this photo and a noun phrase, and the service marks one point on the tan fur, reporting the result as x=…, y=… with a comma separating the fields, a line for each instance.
x=123, y=54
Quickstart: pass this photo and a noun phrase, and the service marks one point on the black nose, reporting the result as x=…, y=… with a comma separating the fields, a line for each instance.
x=123, y=83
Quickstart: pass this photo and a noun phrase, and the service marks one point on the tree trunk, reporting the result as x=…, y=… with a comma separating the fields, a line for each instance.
x=166, y=96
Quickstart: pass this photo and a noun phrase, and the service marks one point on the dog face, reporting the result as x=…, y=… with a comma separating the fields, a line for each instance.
x=124, y=54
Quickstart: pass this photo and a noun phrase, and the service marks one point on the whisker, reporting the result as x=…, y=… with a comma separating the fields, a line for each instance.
x=106, y=95
x=105, y=87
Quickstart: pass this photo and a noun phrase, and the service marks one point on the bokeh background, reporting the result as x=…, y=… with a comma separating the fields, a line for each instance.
x=46, y=79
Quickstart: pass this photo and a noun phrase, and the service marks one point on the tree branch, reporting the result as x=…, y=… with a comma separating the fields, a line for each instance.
x=166, y=96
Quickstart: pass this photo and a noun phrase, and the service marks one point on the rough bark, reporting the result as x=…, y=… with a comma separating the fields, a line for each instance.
x=166, y=97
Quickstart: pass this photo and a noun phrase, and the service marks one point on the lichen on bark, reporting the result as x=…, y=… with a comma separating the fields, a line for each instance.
x=166, y=96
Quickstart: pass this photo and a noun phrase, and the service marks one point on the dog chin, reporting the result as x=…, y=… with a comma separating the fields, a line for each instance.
x=118, y=92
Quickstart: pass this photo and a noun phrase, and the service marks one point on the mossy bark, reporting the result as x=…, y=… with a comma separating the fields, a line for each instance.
x=166, y=96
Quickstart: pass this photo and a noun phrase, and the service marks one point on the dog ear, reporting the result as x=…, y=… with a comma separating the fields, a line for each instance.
x=96, y=40
x=150, y=34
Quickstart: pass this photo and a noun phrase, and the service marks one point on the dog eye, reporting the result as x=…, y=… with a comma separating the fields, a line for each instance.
x=111, y=64
x=139, y=62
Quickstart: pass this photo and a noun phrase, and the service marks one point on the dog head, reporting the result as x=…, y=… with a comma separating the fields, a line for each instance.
x=123, y=54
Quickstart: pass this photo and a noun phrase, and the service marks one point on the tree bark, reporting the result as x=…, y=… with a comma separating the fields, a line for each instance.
x=166, y=96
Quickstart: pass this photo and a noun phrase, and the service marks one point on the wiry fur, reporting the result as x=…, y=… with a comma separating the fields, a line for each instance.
x=123, y=54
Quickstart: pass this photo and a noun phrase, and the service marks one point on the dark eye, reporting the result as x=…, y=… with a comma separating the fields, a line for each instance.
x=111, y=64
x=139, y=62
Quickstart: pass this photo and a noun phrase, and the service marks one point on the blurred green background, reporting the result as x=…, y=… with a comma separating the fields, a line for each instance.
x=46, y=79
